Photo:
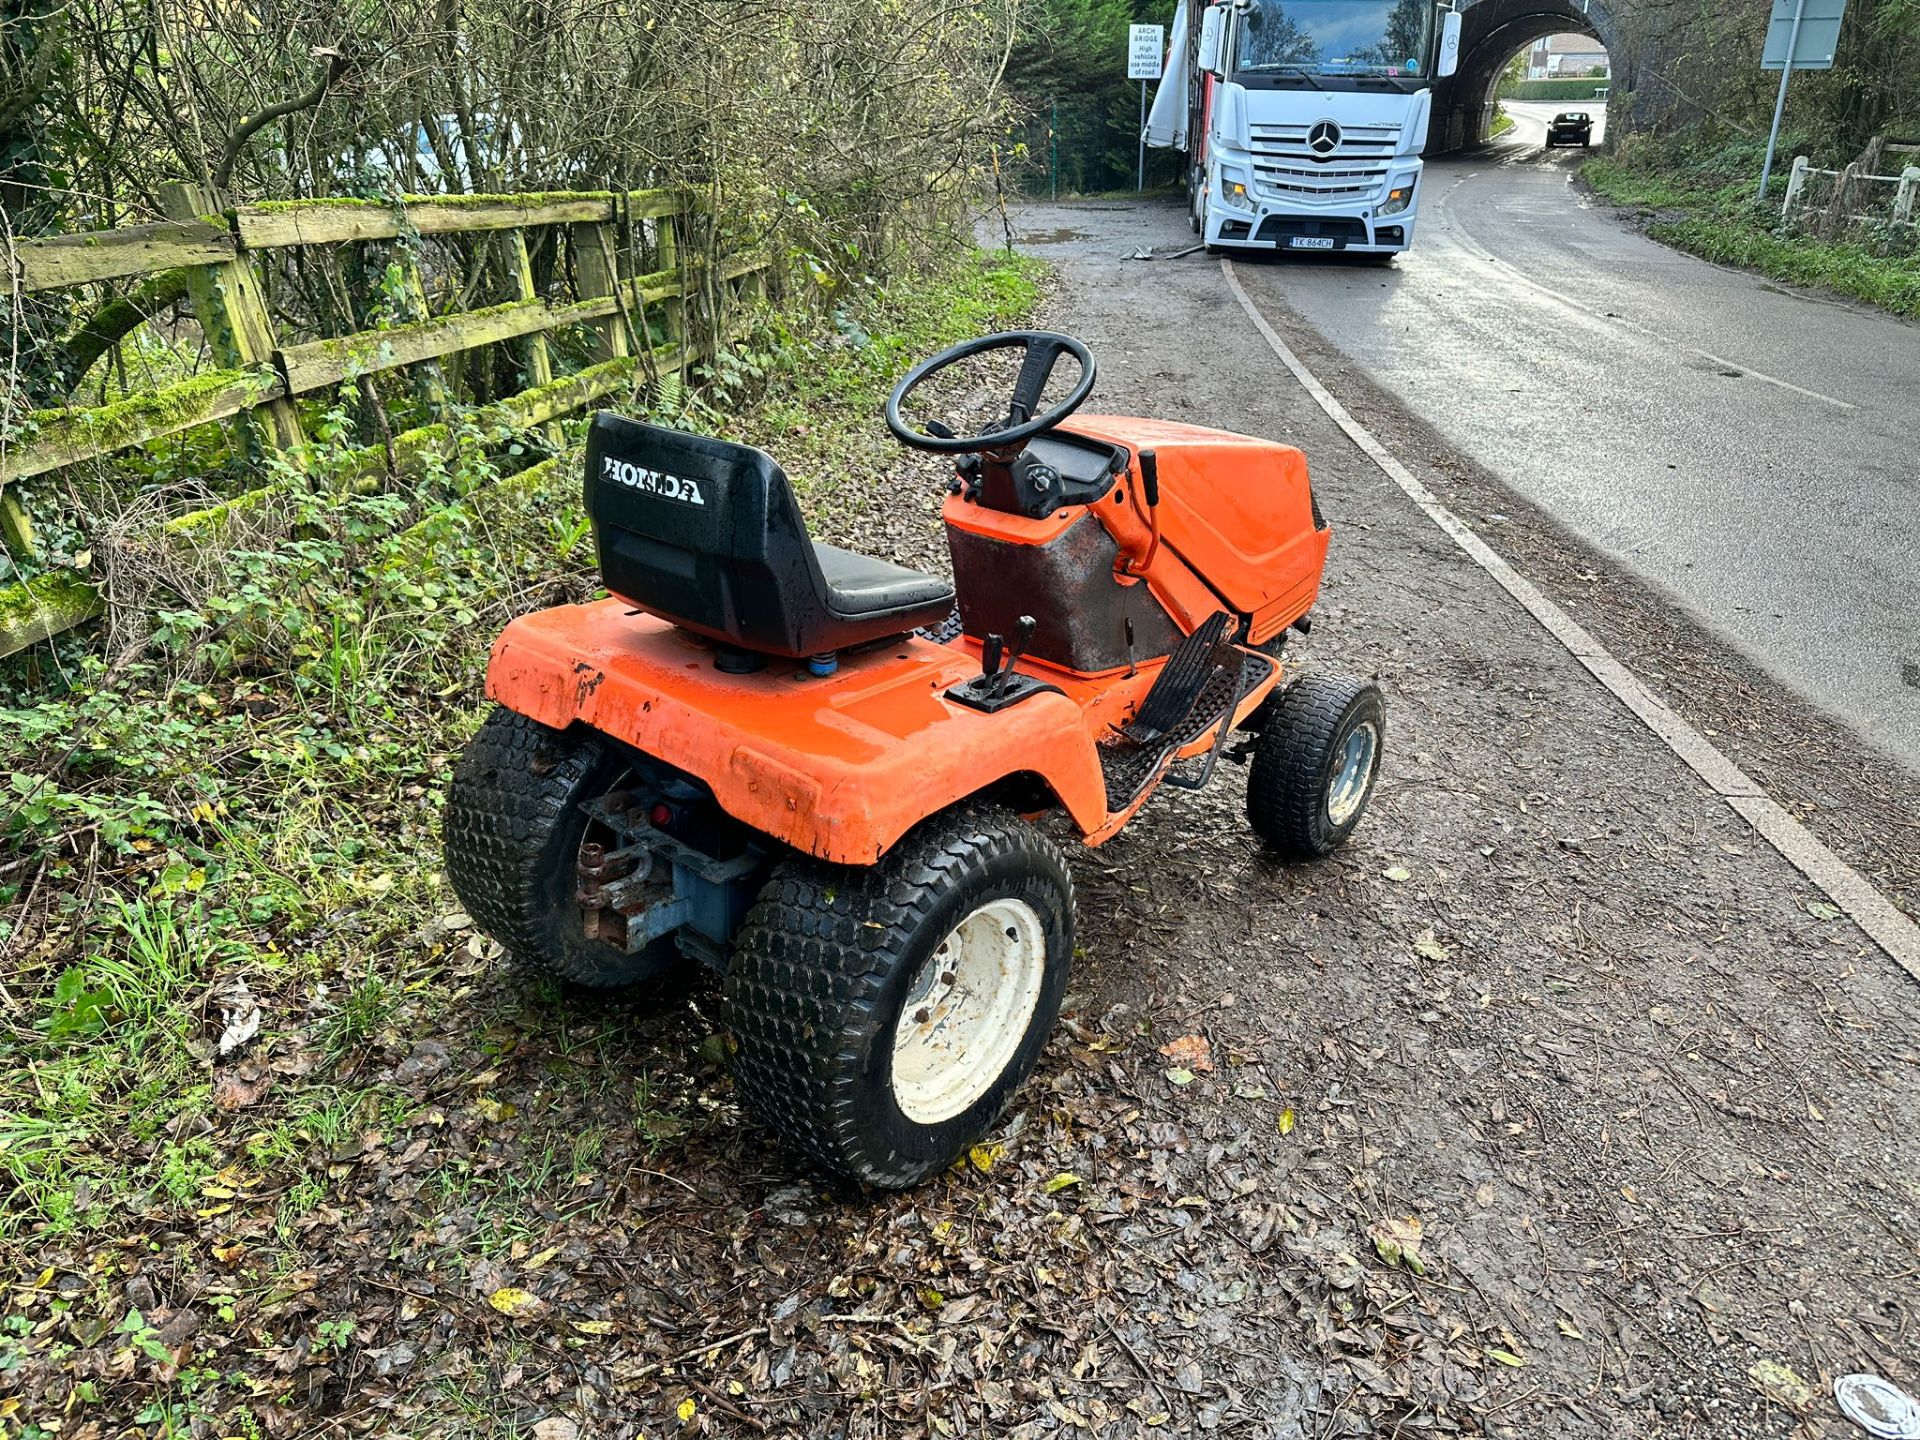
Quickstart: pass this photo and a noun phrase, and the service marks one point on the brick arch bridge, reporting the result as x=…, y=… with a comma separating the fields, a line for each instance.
x=1493, y=31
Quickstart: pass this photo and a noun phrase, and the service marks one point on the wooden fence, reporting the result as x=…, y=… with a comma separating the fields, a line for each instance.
x=228, y=254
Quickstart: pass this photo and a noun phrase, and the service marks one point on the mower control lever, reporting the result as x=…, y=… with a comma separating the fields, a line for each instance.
x=1149, y=492
x=1022, y=636
x=999, y=685
x=1150, y=478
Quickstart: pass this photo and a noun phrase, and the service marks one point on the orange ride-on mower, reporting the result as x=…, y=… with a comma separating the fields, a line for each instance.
x=815, y=772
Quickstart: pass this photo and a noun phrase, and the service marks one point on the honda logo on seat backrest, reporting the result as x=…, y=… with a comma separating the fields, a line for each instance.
x=651, y=482
x=1323, y=139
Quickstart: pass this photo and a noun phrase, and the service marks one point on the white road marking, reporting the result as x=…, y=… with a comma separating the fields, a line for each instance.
x=1487, y=257
x=1846, y=887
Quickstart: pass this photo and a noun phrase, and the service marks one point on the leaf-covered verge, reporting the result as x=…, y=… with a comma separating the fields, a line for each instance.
x=1699, y=197
x=222, y=831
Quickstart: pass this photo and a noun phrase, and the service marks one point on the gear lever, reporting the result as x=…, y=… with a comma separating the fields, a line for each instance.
x=999, y=685
x=1022, y=635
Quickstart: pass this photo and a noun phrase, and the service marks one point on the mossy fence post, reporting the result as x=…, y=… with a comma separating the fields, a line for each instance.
x=233, y=316
x=597, y=276
x=535, y=356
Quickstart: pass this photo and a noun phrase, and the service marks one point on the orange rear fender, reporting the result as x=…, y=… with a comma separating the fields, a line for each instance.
x=839, y=767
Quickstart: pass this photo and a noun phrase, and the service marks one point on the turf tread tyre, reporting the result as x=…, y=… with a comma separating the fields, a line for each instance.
x=1287, y=784
x=512, y=834
x=820, y=970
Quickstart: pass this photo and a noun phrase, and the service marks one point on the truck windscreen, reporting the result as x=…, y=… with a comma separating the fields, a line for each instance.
x=1354, y=39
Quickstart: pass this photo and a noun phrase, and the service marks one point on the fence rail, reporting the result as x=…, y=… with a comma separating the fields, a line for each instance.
x=1852, y=187
x=221, y=250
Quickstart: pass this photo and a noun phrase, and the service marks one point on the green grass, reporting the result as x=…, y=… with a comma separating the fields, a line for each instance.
x=254, y=796
x=1702, y=201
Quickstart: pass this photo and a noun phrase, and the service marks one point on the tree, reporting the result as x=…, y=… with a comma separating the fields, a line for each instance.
x=34, y=64
x=1072, y=53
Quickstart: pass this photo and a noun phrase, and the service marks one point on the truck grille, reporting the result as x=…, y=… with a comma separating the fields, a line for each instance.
x=1357, y=167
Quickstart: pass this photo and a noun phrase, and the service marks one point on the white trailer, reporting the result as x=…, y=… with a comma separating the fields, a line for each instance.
x=1303, y=120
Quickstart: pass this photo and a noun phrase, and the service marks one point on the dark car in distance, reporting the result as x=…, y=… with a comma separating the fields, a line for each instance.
x=1574, y=127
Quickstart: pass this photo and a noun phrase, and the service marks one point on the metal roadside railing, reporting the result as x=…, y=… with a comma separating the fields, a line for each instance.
x=228, y=253
x=1852, y=198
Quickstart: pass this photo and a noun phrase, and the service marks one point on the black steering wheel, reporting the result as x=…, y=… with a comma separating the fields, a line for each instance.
x=1043, y=351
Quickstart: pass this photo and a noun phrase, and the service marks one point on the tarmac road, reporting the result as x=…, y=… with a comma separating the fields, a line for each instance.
x=1653, y=1113
x=1748, y=448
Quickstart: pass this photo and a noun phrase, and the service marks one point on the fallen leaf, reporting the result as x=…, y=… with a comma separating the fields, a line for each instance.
x=1190, y=1052
x=542, y=1258
x=1061, y=1182
x=555, y=1427
x=931, y=1298
x=511, y=1301
x=982, y=1157
x=1398, y=1243
x=237, y=1089
x=1506, y=1357
x=594, y=1327
x=1776, y=1380
x=1286, y=1121
x=1068, y=1416
x=687, y=1410
x=1429, y=945
x=1179, y=1077
x=495, y=1111
x=1398, y=873
x=1821, y=910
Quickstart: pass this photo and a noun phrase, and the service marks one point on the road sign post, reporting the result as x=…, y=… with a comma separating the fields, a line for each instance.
x=1803, y=36
x=1146, y=45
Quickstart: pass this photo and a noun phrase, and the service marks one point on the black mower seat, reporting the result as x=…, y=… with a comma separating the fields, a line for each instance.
x=860, y=585
x=707, y=534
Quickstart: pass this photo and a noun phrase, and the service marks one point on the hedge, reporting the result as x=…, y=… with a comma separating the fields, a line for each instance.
x=1557, y=89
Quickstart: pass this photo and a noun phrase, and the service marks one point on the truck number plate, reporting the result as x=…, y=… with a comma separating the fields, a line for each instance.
x=1312, y=242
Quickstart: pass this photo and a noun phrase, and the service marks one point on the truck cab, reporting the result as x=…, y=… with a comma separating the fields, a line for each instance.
x=1304, y=120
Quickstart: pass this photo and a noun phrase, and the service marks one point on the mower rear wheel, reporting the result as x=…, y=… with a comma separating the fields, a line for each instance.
x=884, y=1015
x=1315, y=764
x=513, y=832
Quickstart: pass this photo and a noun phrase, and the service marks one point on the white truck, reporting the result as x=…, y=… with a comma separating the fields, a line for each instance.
x=1303, y=120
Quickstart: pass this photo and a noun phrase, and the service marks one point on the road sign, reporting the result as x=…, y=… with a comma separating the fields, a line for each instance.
x=1814, y=42
x=1146, y=47
x=1803, y=36
x=1146, y=44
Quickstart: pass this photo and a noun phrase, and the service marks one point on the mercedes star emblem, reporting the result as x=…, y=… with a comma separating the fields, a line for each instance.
x=1324, y=138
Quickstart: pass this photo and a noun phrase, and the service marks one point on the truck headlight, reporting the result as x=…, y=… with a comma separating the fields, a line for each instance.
x=1233, y=189
x=1398, y=198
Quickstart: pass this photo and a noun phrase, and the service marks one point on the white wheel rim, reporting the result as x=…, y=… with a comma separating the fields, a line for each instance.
x=968, y=1007
x=1349, y=785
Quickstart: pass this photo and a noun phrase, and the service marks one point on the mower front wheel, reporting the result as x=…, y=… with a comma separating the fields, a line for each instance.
x=513, y=832
x=884, y=1015
x=1315, y=764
